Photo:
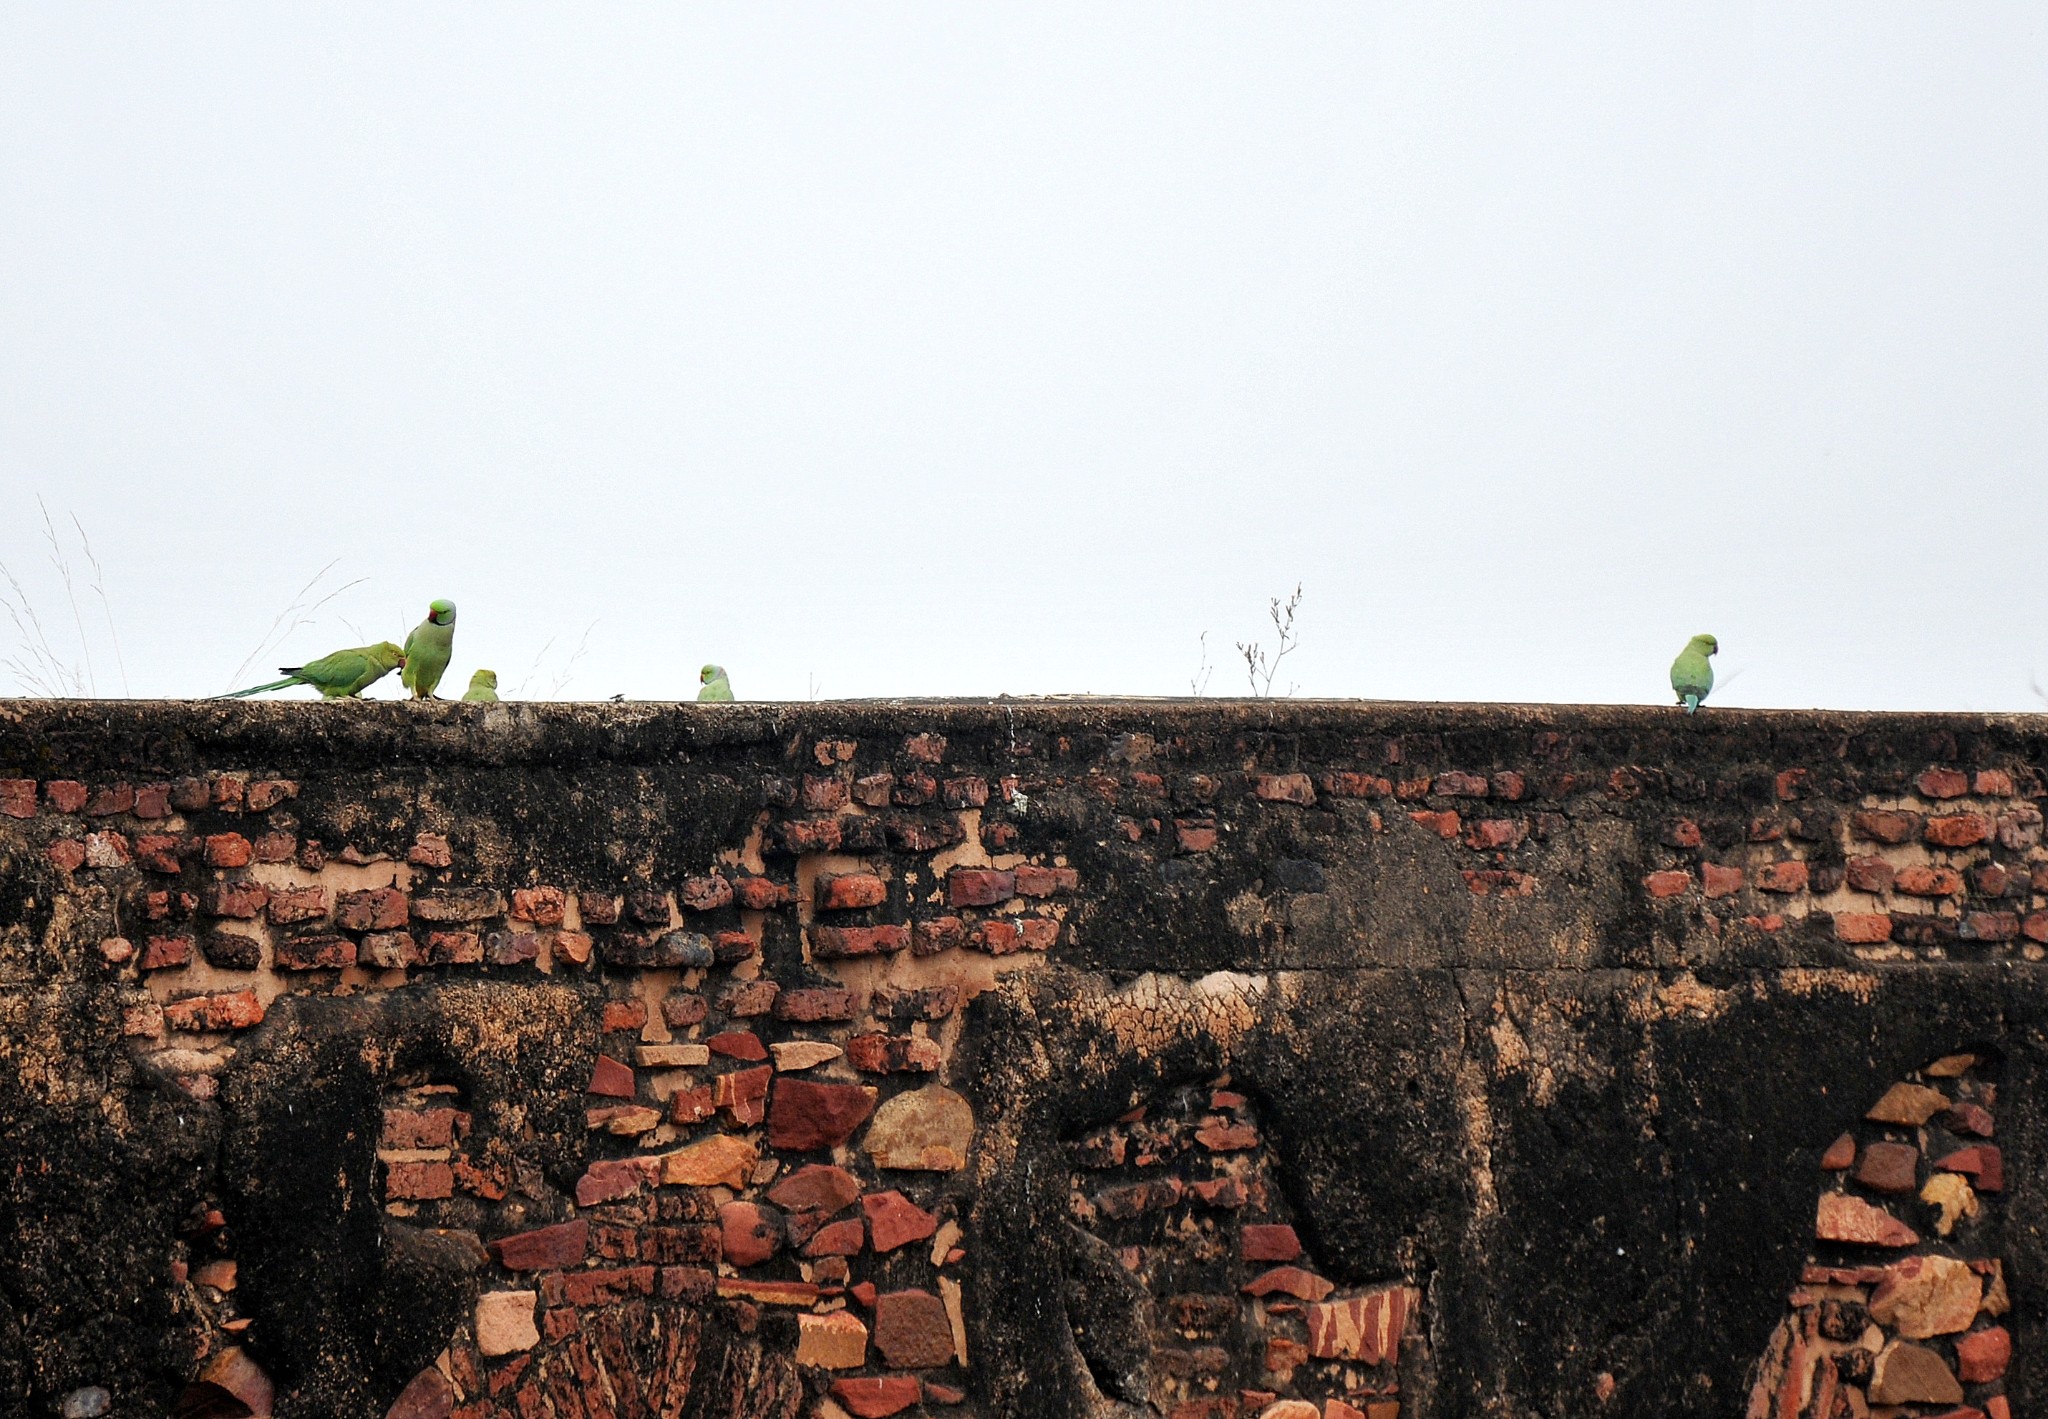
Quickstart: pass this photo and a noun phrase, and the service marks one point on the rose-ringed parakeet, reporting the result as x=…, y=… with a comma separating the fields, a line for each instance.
x=716, y=686
x=483, y=688
x=341, y=675
x=1691, y=675
x=427, y=650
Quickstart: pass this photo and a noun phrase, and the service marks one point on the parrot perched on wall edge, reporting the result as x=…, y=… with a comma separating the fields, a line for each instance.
x=342, y=674
x=1691, y=676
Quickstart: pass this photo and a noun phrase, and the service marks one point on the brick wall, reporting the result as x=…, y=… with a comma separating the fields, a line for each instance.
x=1215, y=1061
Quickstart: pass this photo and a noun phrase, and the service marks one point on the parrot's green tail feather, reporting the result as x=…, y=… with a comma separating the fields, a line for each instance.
x=257, y=689
x=1692, y=704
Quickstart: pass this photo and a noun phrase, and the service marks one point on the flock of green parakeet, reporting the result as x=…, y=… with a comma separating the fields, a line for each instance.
x=424, y=659
x=421, y=662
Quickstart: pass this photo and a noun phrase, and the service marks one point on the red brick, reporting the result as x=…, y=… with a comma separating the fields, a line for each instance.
x=315, y=953
x=18, y=797
x=893, y=1054
x=1045, y=881
x=227, y=850
x=877, y=1397
x=1668, y=883
x=1981, y=1162
x=624, y=1015
x=167, y=952
x=979, y=887
x=1460, y=785
x=1720, y=881
x=912, y=1330
x=1943, y=783
x=1268, y=1243
x=1990, y=879
x=454, y=948
x=804, y=1114
x=1959, y=830
x=748, y=999
x=66, y=854
x=1862, y=928
x=1444, y=825
x=692, y=1105
x=267, y=793
x=1782, y=877
x=1920, y=881
x=430, y=850
x=65, y=795
x=704, y=894
x=914, y=790
x=611, y=1079
x=835, y=943
x=1284, y=788
x=1792, y=783
x=895, y=1221
x=1194, y=836
x=738, y=1044
x=418, y=1128
x=113, y=799
x=1889, y=1167
x=962, y=793
x=936, y=934
x=1499, y=882
x=1992, y=783
x=190, y=795
x=274, y=847
x=1983, y=1355
x=811, y=1004
x=584, y=1289
x=761, y=894
x=809, y=835
x=1869, y=874
x=1880, y=825
x=838, y=1239
x=1486, y=834
x=1989, y=926
x=925, y=748
x=227, y=1010
x=296, y=904
x=545, y=1248
x=158, y=852
x=815, y=1187
x=1354, y=785
x=750, y=1232
x=597, y=908
x=419, y=1182
x=153, y=801
x=851, y=891
x=609, y=1179
x=543, y=906
x=873, y=791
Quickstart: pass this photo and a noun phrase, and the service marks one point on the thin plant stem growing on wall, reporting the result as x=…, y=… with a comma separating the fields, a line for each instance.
x=299, y=612
x=1199, y=681
x=1259, y=667
x=38, y=666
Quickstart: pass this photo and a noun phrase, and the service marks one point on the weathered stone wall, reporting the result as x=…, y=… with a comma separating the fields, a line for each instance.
x=1213, y=1060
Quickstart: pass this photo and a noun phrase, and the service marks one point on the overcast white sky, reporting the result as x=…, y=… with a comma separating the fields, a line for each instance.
x=886, y=349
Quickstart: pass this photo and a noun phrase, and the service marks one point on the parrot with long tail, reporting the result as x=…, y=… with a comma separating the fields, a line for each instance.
x=343, y=674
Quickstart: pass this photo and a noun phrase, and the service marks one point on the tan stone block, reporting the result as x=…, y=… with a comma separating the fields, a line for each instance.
x=1909, y=1105
x=723, y=1159
x=803, y=1054
x=504, y=1322
x=926, y=1130
x=1912, y=1374
x=1927, y=1295
x=671, y=1056
x=831, y=1342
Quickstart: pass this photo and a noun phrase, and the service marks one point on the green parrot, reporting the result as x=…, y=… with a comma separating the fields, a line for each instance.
x=1691, y=675
x=341, y=675
x=716, y=686
x=483, y=688
x=427, y=650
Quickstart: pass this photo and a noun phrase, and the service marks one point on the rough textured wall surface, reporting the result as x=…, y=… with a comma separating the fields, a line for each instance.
x=1213, y=1060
